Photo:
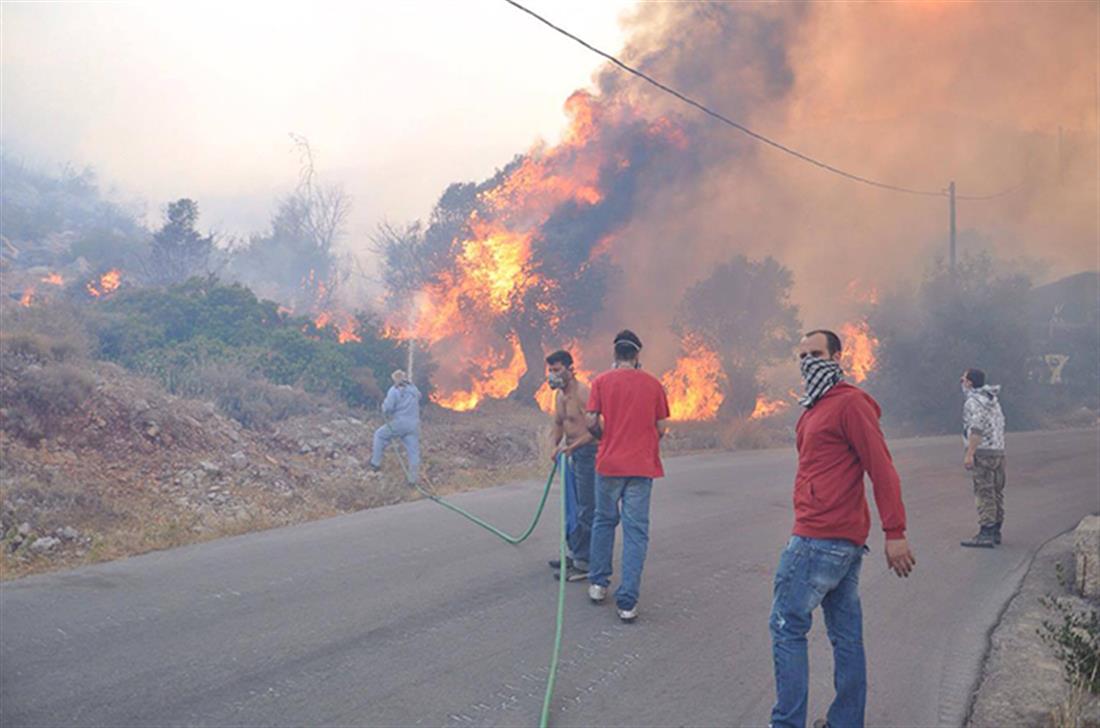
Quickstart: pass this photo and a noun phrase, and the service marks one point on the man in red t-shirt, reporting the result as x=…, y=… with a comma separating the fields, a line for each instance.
x=627, y=410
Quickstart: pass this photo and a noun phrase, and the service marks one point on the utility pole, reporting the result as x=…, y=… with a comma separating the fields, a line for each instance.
x=1061, y=156
x=951, y=196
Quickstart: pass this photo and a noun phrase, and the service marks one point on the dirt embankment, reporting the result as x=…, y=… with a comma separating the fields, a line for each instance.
x=97, y=463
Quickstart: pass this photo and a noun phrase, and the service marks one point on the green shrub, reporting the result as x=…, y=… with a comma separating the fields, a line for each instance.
x=1074, y=637
x=172, y=333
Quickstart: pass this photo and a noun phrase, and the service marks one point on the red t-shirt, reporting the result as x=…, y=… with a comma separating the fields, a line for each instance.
x=631, y=401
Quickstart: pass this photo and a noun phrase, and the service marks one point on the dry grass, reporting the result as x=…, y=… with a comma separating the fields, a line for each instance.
x=753, y=435
x=39, y=348
x=54, y=332
x=1079, y=709
x=245, y=397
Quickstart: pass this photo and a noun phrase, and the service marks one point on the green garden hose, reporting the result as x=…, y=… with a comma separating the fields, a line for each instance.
x=559, y=467
x=488, y=526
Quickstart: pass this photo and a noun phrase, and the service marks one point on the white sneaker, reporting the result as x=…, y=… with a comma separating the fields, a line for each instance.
x=596, y=592
x=629, y=615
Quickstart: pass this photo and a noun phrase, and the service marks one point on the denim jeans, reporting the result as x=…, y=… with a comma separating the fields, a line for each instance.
x=633, y=495
x=408, y=434
x=815, y=571
x=580, y=500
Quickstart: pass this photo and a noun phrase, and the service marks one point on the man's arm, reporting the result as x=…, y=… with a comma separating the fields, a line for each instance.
x=557, y=431
x=663, y=412
x=972, y=447
x=389, y=404
x=860, y=422
x=974, y=432
x=593, y=424
x=592, y=411
x=585, y=437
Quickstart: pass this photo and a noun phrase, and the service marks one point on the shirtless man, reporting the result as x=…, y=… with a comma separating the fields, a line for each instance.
x=579, y=447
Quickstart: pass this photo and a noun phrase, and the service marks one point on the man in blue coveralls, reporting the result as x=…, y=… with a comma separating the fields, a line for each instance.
x=402, y=410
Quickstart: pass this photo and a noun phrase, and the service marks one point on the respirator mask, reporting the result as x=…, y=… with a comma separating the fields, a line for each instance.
x=555, y=381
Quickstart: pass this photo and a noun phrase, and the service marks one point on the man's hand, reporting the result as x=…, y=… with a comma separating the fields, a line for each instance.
x=968, y=461
x=899, y=557
x=560, y=450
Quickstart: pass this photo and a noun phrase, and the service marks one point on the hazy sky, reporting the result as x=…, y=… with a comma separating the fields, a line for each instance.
x=398, y=99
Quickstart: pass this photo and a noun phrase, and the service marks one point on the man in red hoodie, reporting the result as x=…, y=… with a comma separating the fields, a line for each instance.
x=838, y=440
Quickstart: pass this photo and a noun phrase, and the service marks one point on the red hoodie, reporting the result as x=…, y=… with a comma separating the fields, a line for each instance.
x=838, y=441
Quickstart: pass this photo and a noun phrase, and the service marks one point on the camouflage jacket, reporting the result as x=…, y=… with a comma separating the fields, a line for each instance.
x=982, y=415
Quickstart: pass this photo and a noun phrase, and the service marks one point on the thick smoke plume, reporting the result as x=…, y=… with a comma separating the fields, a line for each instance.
x=914, y=94
x=645, y=197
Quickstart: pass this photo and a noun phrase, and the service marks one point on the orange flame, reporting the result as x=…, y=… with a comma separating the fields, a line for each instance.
x=545, y=398
x=496, y=378
x=492, y=271
x=695, y=386
x=767, y=407
x=27, y=297
x=111, y=280
x=492, y=278
x=54, y=279
x=108, y=283
x=860, y=346
x=343, y=323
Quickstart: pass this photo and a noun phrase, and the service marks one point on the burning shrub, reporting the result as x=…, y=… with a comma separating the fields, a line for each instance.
x=695, y=387
x=742, y=312
x=525, y=257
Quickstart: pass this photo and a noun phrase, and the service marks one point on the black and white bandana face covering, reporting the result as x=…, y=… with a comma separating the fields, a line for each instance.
x=818, y=376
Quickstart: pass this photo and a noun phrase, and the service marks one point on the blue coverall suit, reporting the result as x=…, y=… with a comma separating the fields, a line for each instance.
x=402, y=410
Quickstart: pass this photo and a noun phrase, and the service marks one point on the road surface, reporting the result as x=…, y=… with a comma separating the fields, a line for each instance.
x=408, y=615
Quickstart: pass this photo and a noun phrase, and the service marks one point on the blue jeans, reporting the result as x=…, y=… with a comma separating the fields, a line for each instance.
x=633, y=494
x=408, y=434
x=580, y=500
x=815, y=571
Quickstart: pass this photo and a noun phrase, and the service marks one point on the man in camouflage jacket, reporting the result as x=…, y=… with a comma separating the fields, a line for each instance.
x=984, y=435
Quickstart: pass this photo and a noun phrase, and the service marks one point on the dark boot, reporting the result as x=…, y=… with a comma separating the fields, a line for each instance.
x=997, y=534
x=984, y=539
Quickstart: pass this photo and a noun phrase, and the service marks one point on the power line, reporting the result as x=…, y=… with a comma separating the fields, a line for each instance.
x=1002, y=193
x=744, y=129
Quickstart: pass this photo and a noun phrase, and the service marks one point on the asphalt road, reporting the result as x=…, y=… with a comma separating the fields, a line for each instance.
x=408, y=615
